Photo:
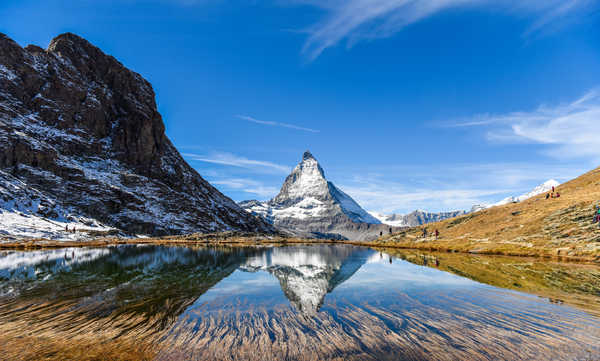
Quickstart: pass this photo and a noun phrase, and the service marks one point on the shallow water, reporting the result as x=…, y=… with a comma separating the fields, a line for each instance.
x=295, y=302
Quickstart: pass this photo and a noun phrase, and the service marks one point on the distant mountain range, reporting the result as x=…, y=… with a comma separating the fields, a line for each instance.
x=415, y=218
x=82, y=145
x=420, y=217
x=309, y=205
x=542, y=188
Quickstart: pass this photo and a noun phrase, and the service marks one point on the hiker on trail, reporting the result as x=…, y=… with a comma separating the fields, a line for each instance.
x=552, y=189
x=424, y=232
x=437, y=234
x=437, y=262
x=390, y=230
x=557, y=195
x=547, y=195
x=380, y=233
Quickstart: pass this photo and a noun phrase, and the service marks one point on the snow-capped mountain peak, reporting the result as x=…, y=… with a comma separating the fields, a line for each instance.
x=308, y=188
x=307, y=179
x=542, y=188
x=309, y=203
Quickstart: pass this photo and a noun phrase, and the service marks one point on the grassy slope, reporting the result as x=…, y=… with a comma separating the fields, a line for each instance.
x=554, y=227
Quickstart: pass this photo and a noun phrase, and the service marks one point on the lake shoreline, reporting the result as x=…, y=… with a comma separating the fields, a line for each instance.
x=227, y=239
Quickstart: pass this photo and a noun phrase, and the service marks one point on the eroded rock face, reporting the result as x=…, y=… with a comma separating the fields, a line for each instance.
x=80, y=127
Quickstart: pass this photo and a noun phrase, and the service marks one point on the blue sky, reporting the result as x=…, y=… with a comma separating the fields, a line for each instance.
x=407, y=104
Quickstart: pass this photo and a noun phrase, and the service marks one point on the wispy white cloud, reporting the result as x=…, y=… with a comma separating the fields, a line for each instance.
x=276, y=124
x=400, y=198
x=356, y=20
x=450, y=186
x=237, y=161
x=248, y=186
x=571, y=130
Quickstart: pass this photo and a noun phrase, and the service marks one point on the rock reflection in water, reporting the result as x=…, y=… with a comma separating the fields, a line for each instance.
x=297, y=302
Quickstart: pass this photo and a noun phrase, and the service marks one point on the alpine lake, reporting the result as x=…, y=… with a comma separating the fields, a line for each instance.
x=294, y=302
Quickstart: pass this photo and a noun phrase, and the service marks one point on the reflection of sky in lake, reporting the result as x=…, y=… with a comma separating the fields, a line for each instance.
x=313, y=302
x=258, y=286
x=375, y=280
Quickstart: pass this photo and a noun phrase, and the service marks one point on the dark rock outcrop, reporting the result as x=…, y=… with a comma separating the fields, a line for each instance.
x=82, y=128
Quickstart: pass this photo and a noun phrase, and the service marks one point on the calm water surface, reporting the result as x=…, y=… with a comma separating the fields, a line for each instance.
x=270, y=303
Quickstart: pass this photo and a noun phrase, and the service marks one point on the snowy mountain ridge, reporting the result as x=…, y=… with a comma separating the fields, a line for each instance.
x=307, y=189
x=415, y=218
x=542, y=188
x=310, y=205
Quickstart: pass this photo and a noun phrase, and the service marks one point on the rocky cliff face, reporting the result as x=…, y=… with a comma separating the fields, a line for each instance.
x=78, y=126
x=310, y=206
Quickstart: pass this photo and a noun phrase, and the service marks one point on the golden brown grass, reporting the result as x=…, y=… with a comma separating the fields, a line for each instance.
x=555, y=227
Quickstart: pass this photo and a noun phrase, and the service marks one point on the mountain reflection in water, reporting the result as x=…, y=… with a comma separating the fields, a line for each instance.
x=307, y=274
x=295, y=302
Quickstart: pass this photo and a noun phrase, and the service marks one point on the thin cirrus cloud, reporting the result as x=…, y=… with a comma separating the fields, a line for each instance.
x=238, y=161
x=358, y=20
x=247, y=186
x=276, y=124
x=570, y=130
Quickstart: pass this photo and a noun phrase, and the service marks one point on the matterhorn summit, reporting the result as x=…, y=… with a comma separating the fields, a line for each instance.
x=309, y=205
